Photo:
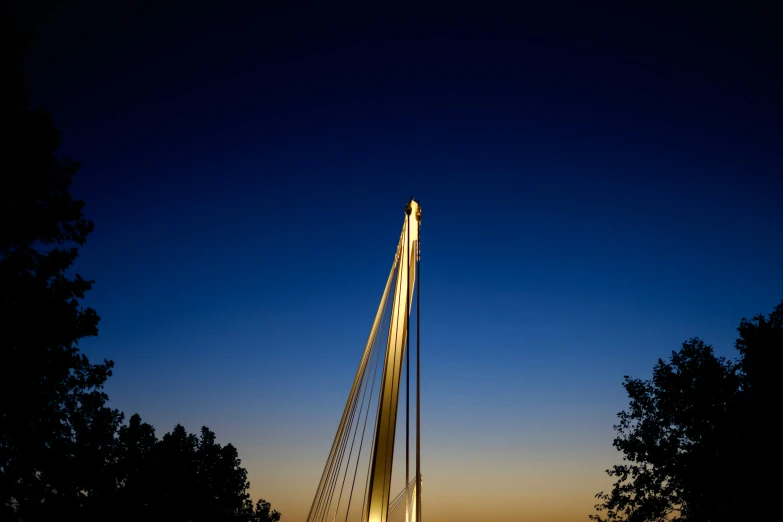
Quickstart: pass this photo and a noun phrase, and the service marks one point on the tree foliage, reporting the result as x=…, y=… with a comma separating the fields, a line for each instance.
x=52, y=407
x=64, y=454
x=687, y=440
x=182, y=477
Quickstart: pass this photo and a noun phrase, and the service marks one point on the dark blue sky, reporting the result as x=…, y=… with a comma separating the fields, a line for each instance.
x=597, y=187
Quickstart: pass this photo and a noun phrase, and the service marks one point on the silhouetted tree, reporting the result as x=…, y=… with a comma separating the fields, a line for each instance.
x=64, y=455
x=760, y=344
x=52, y=410
x=264, y=513
x=183, y=477
x=687, y=437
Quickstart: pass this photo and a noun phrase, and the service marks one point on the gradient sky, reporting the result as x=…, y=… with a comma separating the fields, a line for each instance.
x=597, y=187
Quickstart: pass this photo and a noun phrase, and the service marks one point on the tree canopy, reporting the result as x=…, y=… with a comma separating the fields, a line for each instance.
x=688, y=439
x=64, y=453
x=180, y=477
x=52, y=407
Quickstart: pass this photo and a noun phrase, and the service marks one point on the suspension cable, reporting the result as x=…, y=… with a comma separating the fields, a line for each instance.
x=418, y=367
x=327, y=480
x=364, y=428
x=408, y=362
x=330, y=495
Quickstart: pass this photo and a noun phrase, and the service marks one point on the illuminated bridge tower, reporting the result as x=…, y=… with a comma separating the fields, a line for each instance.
x=375, y=394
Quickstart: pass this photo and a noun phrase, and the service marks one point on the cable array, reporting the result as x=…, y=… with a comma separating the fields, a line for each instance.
x=350, y=465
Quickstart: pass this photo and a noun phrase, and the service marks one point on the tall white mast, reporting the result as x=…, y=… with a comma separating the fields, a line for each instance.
x=378, y=494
